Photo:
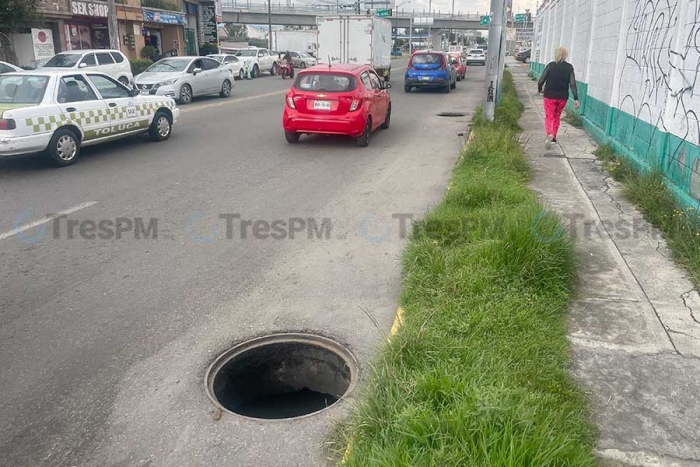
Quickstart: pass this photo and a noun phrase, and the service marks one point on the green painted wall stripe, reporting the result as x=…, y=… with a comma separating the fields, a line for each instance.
x=645, y=145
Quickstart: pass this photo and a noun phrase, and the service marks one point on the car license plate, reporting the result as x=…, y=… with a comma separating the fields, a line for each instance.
x=322, y=105
x=425, y=78
x=145, y=92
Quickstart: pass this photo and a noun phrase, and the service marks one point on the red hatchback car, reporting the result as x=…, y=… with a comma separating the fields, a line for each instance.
x=460, y=67
x=346, y=100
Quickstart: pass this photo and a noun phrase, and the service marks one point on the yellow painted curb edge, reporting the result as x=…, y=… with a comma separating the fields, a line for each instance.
x=398, y=321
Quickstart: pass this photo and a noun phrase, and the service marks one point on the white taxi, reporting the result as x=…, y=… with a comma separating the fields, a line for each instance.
x=56, y=112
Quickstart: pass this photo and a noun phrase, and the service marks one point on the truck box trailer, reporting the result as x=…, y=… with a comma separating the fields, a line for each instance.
x=294, y=41
x=364, y=40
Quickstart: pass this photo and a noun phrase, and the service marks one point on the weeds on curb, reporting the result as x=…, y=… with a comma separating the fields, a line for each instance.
x=573, y=119
x=477, y=374
x=649, y=192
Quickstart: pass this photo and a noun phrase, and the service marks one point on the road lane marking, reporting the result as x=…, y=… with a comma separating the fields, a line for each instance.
x=234, y=101
x=31, y=225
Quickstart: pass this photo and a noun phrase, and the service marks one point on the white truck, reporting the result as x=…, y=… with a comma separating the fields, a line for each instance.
x=294, y=41
x=364, y=40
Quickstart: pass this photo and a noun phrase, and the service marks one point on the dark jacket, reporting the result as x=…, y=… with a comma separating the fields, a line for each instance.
x=558, y=78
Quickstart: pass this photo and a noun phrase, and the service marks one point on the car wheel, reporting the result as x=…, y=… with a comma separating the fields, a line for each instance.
x=256, y=71
x=292, y=137
x=526, y=60
x=185, y=94
x=125, y=81
x=241, y=74
x=273, y=70
x=64, y=147
x=407, y=88
x=225, y=88
x=387, y=120
x=363, y=140
x=302, y=65
x=161, y=127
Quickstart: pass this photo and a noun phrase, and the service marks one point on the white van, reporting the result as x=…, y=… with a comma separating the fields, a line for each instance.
x=109, y=62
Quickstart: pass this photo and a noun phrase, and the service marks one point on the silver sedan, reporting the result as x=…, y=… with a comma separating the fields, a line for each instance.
x=302, y=59
x=183, y=78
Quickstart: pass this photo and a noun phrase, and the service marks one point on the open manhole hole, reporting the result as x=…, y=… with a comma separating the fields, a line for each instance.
x=281, y=376
x=451, y=114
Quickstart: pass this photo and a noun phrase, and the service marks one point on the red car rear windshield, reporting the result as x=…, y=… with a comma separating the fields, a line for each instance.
x=426, y=59
x=325, y=82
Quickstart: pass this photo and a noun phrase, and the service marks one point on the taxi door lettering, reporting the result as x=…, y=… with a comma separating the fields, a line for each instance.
x=117, y=128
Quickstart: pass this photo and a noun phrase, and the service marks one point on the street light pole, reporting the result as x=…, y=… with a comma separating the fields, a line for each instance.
x=495, y=60
x=269, y=25
x=113, y=28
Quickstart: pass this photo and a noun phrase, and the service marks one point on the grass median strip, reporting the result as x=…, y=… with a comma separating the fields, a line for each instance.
x=477, y=373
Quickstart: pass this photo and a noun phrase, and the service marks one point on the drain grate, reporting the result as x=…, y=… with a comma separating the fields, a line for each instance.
x=281, y=376
x=451, y=114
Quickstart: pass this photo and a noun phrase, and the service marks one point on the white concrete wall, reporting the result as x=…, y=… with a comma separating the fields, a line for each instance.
x=640, y=56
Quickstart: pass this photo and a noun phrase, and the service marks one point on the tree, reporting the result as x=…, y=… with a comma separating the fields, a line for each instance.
x=480, y=40
x=237, y=31
x=14, y=16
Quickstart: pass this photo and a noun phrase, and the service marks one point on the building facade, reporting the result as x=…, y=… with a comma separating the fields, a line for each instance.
x=170, y=27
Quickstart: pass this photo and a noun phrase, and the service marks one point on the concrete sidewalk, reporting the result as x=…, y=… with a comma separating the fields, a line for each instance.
x=635, y=321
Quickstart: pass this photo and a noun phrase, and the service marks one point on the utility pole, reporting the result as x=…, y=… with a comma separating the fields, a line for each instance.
x=269, y=25
x=410, y=34
x=112, y=26
x=495, y=59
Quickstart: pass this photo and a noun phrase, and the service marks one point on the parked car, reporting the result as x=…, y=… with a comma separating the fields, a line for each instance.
x=258, y=60
x=56, y=112
x=8, y=67
x=232, y=61
x=459, y=64
x=343, y=99
x=477, y=56
x=430, y=69
x=111, y=62
x=524, y=56
x=396, y=53
x=184, y=78
x=302, y=59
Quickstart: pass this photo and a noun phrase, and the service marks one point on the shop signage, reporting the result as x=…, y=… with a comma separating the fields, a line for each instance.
x=208, y=33
x=93, y=9
x=164, y=17
x=42, y=40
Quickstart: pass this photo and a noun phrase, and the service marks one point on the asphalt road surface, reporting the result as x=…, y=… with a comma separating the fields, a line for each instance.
x=104, y=340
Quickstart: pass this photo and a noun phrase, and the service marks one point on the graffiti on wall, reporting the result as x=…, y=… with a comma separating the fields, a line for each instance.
x=659, y=80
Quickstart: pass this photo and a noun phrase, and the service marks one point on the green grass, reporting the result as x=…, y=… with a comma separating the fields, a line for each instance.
x=649, y=193
x=573, y=119
x=477, y=374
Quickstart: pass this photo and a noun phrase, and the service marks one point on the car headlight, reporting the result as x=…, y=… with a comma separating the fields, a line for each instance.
x=168, y=82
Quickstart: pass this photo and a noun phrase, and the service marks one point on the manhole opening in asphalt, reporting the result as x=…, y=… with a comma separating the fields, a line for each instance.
x=281, y=376
x=451, y=114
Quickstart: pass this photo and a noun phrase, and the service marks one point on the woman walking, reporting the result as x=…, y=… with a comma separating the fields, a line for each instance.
x=556, y=79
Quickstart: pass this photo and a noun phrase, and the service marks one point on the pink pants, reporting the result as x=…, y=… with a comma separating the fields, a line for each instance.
x=552, y=115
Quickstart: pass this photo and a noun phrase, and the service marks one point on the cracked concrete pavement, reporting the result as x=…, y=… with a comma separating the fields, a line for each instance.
x=633, y=324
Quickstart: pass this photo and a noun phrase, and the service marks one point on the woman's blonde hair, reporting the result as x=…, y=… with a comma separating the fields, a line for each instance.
x=561, y=54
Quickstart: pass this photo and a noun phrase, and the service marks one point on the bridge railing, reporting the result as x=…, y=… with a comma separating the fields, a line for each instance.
x=320, y=9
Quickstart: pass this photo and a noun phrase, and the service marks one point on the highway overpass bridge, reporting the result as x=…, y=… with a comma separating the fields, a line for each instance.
x=283, y=15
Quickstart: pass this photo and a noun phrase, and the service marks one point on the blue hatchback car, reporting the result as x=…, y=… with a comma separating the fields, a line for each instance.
x=430, y=69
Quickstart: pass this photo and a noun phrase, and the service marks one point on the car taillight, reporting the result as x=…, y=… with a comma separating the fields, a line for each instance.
x=290, y=102
x=355, y=104
x=7, y=124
